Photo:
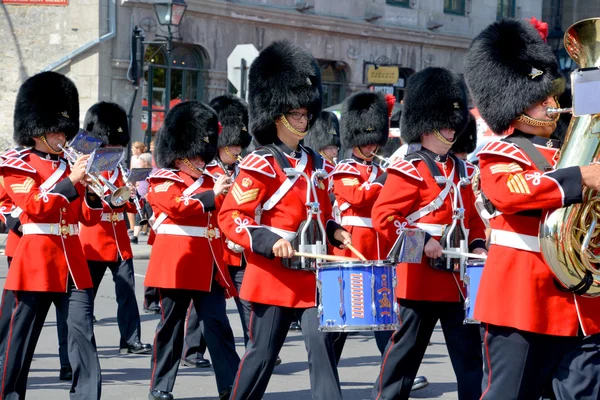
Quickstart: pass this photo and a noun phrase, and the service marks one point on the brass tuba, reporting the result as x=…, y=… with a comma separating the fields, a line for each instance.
x=570, y=237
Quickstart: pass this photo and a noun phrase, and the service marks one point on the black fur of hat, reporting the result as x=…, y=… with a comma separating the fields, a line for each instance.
x=191, y=129
x=502, y=70
x=325, y=132
x=283, y=77
x=434, y=99
x=364, y=120
x=108, y=121
x=46, y=102
x=233, y=115
x=466, y=141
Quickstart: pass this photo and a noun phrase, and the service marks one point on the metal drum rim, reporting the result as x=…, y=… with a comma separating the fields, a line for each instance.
x=347, y=264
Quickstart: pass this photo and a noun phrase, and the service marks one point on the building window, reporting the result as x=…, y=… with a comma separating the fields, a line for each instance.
x=454, y=7
x=402, y=3
x=333, y=78
x=167, y=85
x=506, y=9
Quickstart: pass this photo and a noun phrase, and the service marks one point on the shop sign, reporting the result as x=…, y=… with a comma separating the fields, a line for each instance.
x=382, y=75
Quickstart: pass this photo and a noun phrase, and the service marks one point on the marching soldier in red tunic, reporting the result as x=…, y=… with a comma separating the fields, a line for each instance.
x=186, y=263
x=234, y=137
x=48, y=265
x=264, y=212
x=106, y=244
x=428, y=190
x=536, y=334
x=10, y=216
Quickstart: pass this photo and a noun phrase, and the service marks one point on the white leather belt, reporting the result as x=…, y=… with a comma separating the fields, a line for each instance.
x=287, y=235
x=357, y=221
x=112, y=217
x=184, y=230
x=432, y=229
x=515, y=240
x=50, y=229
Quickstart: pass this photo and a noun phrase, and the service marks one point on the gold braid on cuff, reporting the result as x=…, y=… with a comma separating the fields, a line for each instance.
x=442, y=139
x=526, y=119
x=290, y=128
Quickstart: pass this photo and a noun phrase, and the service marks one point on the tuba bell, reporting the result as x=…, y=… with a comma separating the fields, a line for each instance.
x=570, y=237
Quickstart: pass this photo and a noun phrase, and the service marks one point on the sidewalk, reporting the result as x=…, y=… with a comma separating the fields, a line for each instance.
x=141, y=251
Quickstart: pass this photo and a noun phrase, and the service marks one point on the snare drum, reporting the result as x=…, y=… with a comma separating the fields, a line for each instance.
x=357, y=296
x=474, y=269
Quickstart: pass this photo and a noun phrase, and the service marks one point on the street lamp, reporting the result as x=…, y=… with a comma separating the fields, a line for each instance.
x=169, y=12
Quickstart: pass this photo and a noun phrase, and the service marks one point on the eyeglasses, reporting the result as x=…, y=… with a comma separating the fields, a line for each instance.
x=297, y=116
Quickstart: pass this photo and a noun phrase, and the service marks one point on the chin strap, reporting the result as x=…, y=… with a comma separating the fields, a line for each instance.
x=230, y=154
x=327, y=158
x=442, y=139
x=526, y=119
x=290, y=128
x=364, y=157
x=191, y=166
x=50, y=149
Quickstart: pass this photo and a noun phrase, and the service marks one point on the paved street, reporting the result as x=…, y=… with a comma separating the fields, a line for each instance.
x=127, y=377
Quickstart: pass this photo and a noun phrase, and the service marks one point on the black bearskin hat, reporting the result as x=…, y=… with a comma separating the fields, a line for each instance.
x=364, y=120
x=191, y=129
x=283, y=77
x=233, y=115
x=508, y=68
x=325, y=132
x=466, y=141
x=108, y=121
x=434, y=99
x=46, y=102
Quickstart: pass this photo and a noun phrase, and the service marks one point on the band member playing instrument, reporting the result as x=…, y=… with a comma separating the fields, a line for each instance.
x=106, y=245
x=48, y=265
x=10, y=215
x=234, y=137
x=424, y=190
x=536, y=334
x=264, y=211
x=186, y=263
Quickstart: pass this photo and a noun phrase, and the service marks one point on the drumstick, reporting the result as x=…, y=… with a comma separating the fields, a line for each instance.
x=466, y=255
x=325, y=257
x=356, y=252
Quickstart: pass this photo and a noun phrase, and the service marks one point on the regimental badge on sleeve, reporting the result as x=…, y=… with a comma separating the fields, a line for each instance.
x=24, y=187
x=241, y=197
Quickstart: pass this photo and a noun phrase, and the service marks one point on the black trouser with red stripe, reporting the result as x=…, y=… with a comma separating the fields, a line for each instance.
x=269, y=326
x=407, y=346
x=6, y=309
x=168, y=340
x=194, y=341
x=521, y=365
x=128, y=314
x=27, y=321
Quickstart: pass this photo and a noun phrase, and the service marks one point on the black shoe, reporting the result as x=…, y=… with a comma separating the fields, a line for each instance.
x=136, y=348
x=278, y=361
x=197, y=362
x=225, y=394
x=134, y=240
x=419, y=383
x=158, y=395
x=153, y=309
x=66, y=373
x=295, y=326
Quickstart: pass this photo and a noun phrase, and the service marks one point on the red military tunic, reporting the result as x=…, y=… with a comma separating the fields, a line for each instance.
x=187, y=245
x=43, y=261
x=245, y=221
x=355, y=192
x=408, y=188
x=229, y=256
x=517, y=288
x=108, y=240
x=6, y=207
